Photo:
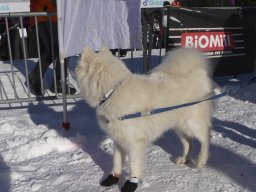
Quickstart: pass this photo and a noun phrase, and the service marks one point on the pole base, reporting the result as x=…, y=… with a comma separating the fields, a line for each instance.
x=66, y=125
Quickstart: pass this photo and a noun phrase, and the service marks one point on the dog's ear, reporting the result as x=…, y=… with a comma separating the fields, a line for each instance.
x=105, y=50
x=87, y=52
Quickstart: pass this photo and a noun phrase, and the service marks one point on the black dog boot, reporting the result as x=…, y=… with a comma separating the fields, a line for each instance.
x=110, y=180
x=130, y=185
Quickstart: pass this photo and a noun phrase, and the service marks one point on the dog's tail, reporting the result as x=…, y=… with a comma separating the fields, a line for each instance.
x=183, y=61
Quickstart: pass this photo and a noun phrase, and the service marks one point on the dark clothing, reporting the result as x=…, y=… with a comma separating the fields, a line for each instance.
x=49, y=49
x=47, y=55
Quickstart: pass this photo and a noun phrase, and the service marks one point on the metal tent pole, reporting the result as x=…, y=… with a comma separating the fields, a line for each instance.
x=65, y=124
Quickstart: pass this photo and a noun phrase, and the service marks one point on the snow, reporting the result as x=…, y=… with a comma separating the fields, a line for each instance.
x=37, y=154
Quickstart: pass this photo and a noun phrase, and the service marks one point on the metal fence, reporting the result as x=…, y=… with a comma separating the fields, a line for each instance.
x=20, y=52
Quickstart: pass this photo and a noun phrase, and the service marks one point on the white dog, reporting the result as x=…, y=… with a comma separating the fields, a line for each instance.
x=107, y=85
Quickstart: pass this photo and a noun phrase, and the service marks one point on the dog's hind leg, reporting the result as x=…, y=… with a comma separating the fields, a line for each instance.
x=199, y=128
x=187, y=148
x=204, y=139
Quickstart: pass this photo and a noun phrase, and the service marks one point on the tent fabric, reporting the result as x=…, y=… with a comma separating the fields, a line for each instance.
x=97, y=23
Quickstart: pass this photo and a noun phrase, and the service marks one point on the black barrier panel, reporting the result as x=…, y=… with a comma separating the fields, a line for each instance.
x=226, y=36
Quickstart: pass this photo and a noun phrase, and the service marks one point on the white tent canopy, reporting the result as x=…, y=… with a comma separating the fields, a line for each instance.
x=96, y=23
x=113, y=23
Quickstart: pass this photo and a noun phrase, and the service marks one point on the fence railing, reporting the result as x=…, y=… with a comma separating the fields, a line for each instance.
x=21, y=48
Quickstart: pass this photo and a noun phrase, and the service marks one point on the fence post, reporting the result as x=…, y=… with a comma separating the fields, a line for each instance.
x=254, y=70
x=144, y=40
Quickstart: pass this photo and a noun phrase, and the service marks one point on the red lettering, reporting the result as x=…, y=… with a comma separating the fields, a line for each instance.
x=208, y=41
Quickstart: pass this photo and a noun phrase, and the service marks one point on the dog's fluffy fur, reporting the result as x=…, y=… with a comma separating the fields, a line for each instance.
x=182, y=77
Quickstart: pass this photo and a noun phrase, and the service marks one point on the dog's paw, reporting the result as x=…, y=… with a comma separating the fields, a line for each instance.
x=201, y=160
x=110, y=180
x=181, y=160
x=129, y=186
x=200, y=163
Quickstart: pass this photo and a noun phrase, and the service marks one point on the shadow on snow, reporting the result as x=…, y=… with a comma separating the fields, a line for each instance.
x=223, y=160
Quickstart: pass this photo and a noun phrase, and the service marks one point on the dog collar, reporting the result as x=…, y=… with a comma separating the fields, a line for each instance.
x=106, y=96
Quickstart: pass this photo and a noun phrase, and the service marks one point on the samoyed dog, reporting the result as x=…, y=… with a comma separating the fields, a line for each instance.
x=108, y=86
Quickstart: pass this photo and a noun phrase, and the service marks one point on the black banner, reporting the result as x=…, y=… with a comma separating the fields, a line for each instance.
x=226, y=35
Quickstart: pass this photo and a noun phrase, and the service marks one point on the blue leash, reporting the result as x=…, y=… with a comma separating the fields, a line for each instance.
x=165, y=109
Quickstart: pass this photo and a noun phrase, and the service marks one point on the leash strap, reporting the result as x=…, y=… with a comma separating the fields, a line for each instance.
x=165, y=109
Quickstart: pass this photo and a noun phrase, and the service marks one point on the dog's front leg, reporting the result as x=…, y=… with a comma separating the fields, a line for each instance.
x=137, y=157
x=118, y=159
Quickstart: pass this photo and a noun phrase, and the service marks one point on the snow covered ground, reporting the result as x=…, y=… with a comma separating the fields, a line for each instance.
x=36, y=154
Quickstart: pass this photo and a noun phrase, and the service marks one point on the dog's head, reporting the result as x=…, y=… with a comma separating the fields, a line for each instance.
x=88, y=55
x=97, y=73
